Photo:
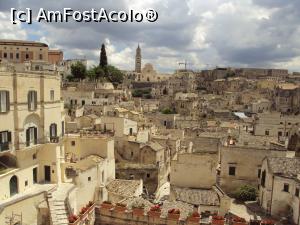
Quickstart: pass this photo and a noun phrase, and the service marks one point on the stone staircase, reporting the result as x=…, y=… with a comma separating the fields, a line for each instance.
x=57, y=204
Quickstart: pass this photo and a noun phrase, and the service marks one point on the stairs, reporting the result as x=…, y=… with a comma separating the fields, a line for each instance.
x=57, y=204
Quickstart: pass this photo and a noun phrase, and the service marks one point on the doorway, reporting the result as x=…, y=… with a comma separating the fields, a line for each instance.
x=47, y=173
x=34, y=175
x=13, y=185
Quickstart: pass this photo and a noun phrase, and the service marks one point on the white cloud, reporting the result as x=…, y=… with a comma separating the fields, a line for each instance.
x=9, y=30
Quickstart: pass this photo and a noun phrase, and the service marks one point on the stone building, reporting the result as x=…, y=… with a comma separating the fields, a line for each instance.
x=287, y=98
x=279, y=187
x=40, y=165
x=240, y=162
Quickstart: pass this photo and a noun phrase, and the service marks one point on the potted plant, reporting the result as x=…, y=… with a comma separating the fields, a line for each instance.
x=194, y=217
x=267, y=222
x=138, y=209
x=238, y=221
x=217, y=220
x=83, y=211
x=120, y=207
x=72, y=218
x=174, y=214
x=106, y=205
x=154, y=211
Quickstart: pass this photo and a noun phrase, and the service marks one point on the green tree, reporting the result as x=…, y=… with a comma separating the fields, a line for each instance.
x=103, y=57
x=168, y=111
x=96, y=72
x=245, y=193
x=113, y=74
x=78, y=71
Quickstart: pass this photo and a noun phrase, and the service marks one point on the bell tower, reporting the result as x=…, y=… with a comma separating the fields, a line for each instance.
x=138, y=60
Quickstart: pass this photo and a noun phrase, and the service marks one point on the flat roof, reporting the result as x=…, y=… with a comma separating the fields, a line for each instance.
x=22, y=43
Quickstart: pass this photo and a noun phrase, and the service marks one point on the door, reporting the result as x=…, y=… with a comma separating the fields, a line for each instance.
x=47, y=173
x=34, y=175
x=13, y=186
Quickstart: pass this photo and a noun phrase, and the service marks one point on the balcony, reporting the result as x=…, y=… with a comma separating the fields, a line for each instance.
x=54, y=139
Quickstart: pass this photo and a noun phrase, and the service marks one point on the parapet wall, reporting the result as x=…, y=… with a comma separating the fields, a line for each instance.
x=106, y=216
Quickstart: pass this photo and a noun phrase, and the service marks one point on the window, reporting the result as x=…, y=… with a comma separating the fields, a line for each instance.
x=267, y=132
x=82, y=102
x=102, y=176
x=148, y=175
x=11, y=55
x=297, y=192
x=286, y=187
x=52, y=95
x=263, y=178
x=41, y=56
x=73, y=143
x=279, y=133
x=89, y=178
x=26, y=183
x=5, y=139
x=32, y=100
x=34, y=156
x=17, y=55
x=53, y=131
x=62, y=128
x=258, y=173
x=27, y=56
x=232, y=170
x=5, y=55
x=31, y=136
x=4, y=101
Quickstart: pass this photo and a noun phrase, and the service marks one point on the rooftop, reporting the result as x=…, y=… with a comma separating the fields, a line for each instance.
x=288, y=167
x=126, y=188
x=22, y=43
x=208, y=197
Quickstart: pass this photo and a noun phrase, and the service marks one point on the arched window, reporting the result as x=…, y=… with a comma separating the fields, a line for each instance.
x=13, y=185
x=53, y=132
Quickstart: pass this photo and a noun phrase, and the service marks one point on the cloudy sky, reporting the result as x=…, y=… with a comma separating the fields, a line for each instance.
x=206, y=33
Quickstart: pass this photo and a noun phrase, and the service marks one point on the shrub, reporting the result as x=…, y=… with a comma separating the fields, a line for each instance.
x=168, y=111
x=245, y=193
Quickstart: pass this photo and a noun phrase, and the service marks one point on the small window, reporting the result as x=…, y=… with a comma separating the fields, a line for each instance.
x=286, y=187
x=52, y=95
x=17, y=56
x=41, y=56
x=232, y=170
x=34, y=156
x=89, y=178
x=11, y=55
x=73, y=143
x=258, y=173
x=297, y=192
x=26, y=183
x=27, y=56
x=148, y=175
x=32, y=100
x=4, y=101
x=279, y=133
x=267, y=132
x=5, y=55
